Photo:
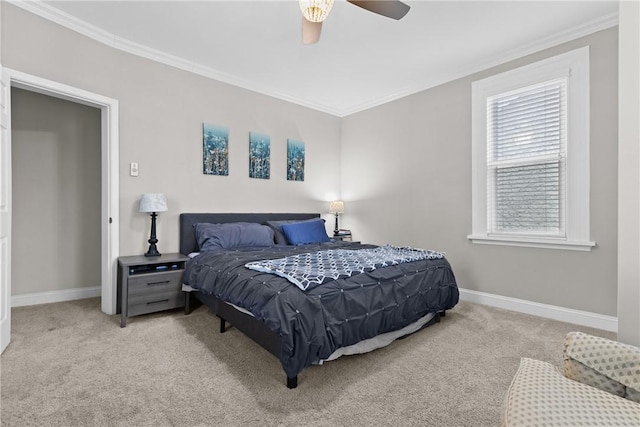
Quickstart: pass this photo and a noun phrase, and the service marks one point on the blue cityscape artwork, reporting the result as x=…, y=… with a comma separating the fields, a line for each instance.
x=259, y=155
x=215, y=150
x=295, y=160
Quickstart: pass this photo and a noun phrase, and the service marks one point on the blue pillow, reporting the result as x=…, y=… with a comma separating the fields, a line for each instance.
x=277, y=228
x=302, y=233
x=232, y=235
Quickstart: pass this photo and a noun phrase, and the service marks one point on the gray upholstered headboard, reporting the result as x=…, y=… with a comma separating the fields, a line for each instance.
x=188, y=242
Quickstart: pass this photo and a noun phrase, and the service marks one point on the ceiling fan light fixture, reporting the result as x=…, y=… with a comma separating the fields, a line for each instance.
x=315, y=10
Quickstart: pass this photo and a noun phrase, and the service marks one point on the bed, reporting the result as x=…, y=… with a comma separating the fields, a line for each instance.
x=330, y=318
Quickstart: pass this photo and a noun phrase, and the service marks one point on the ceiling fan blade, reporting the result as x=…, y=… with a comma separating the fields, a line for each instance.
x=390, y=8
x=310, y=31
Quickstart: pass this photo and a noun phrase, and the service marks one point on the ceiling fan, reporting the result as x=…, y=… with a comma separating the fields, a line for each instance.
x=316, y=11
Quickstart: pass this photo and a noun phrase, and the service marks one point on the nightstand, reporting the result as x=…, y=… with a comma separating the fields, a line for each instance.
x=342, y=237
x=149, y=284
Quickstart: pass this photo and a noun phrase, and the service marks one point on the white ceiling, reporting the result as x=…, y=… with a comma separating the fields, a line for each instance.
x=362, y=59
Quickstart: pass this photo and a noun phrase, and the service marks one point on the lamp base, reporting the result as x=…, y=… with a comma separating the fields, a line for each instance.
x=153, y=251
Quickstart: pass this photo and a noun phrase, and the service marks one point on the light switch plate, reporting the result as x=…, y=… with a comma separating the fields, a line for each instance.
x=133, y=171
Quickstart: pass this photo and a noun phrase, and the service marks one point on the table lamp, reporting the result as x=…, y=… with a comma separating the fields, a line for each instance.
x=154, y=203
x=336, y=207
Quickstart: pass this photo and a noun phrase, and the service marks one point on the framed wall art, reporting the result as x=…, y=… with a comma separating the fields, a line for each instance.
x=259, y=155
x=295, y=160
x=215, y=150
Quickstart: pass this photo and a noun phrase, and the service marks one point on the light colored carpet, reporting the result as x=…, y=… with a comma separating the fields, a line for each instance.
x=69, y=364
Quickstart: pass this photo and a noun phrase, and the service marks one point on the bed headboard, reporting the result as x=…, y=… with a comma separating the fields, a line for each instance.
x=188, y=242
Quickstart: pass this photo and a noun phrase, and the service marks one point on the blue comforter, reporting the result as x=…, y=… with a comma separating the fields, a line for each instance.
x=316, y=322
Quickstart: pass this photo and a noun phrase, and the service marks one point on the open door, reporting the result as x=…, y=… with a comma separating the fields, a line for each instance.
x=5, y=211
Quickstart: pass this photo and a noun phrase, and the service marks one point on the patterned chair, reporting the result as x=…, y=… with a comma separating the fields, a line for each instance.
x=600, y=387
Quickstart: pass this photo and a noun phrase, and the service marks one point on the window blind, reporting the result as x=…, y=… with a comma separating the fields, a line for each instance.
x=526, y=159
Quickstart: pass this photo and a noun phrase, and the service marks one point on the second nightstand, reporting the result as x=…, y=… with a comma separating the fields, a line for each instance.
x=345, y=237
x=149, y=284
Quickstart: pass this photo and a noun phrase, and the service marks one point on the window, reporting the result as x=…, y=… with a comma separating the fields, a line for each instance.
x=531, y=155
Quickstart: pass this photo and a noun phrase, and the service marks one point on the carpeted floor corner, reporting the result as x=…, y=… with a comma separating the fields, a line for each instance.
x=71, y=365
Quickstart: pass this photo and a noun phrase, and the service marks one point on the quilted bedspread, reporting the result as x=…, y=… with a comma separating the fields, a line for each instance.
x=337, y=313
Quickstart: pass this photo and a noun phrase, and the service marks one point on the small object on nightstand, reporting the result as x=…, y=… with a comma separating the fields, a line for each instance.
x=147, y=285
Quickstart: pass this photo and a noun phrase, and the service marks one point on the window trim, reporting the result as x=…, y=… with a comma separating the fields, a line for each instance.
x=574, y=64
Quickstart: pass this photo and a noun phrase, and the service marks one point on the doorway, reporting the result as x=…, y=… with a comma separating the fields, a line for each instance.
x=55, y=164
x=109, y=182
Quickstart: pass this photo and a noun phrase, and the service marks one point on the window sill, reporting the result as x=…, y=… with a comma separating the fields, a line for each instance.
x=532, y=242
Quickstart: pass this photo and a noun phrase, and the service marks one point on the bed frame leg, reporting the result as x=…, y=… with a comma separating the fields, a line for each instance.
x=223, y=327
x=444, y=313
x=292, y=382
x=187, y=303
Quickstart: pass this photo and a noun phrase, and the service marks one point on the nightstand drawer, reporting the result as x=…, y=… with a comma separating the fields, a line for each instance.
x=143, y=304
x=155, y=283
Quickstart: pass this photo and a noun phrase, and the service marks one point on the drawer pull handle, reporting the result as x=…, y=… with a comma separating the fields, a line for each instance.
x=157, y=283
x=158, y=302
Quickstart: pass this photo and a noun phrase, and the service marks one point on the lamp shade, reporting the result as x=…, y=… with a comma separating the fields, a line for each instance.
x=337, y=206
x=153, y=202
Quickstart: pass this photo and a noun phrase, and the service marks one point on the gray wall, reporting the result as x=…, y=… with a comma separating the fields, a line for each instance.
x=56, y=194
x=407, y=180
x=161, y=114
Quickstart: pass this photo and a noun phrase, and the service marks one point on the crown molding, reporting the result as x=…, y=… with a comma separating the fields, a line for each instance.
x=59, y=17
x=71, y=22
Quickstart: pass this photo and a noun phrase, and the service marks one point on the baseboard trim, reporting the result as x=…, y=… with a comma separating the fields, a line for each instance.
x=569, y=315
x=55, y=296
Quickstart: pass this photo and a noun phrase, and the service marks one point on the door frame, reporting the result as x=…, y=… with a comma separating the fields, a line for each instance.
x=5, y=212
x=110, y=219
